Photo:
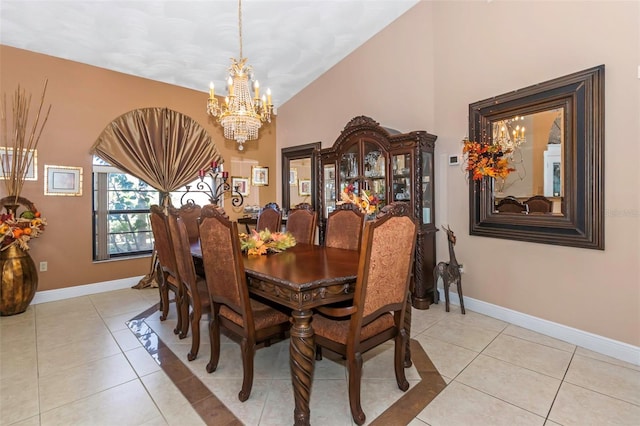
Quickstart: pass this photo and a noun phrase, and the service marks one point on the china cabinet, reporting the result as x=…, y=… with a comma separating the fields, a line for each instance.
x=373, y=166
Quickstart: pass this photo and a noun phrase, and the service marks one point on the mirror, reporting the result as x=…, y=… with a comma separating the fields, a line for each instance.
x=299, y=175
x=555, y=132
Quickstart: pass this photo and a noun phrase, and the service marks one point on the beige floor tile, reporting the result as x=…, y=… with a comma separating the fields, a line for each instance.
x=422, y=319
x=51, y=311
x=119, y=322
x=172, y=404
x=279, y=405
x=576, y=406
x=601, y=357
x=119, y=302
x=19, y=398
x=13, y=331
x=477, y=320
x=516, y=385
x=29, y=314
x=619, y=382
x=18, y=358
x=461, y=405
x=53, y=360
x=468, y=336
x=416, y=422
x=141, y=361
x=376, y=395
x=448, y=359
x=126, y=339
x=84, y=380
x=69, y=332
x=543, y=359
x=31, y=421
x=532, y=336
x=127, y=404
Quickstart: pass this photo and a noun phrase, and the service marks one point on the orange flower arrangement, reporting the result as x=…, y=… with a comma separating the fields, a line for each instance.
x=265, y=241
x=19, y=231
x=367, y=202
x=486, y=160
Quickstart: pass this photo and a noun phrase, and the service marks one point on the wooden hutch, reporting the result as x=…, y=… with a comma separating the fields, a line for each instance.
x=391, y=166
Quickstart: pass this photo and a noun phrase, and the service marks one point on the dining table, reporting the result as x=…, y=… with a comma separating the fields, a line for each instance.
x=301, y=278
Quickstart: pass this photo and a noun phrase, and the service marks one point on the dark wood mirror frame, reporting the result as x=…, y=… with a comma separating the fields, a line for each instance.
x=311, y=151
x=581, y=223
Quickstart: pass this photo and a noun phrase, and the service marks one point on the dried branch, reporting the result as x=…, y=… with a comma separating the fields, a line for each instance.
x=18, y=147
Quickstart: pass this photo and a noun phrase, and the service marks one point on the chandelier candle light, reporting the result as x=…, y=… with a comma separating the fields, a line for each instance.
x=241, y=115
x=219, y=186
x=508, y=134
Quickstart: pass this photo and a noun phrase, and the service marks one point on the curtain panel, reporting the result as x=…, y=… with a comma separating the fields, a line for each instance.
x=164, y=148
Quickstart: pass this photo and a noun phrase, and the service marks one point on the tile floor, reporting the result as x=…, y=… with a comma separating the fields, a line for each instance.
x=82, y=362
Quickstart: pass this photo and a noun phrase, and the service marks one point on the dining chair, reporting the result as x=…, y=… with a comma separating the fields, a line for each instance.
x=189, y=213
x=301, y=223
x=538, y=204
x=344, y=227
x=379, y=302
x=166, y=269
x=270, y=217
x=195, y=296
x=510, y=204
x=250, y=320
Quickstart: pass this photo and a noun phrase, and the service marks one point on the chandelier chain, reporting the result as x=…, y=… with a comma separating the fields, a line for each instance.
x=240, y=25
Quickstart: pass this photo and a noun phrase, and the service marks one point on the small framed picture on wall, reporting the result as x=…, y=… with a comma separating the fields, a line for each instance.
x=241, y=184
x=259, y=176
x=293, y=177
x=62, y=181
x=304, y=187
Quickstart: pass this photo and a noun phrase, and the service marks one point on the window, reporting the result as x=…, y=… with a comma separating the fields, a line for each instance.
x=120, y=213
x=121, y=204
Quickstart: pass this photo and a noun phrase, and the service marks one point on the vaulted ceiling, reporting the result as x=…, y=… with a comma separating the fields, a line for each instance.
x=289, y=43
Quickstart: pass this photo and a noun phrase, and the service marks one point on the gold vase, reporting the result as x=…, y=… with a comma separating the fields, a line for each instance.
x=19, y=280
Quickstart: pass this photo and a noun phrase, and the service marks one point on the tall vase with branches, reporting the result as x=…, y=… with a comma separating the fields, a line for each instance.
x=18, y=274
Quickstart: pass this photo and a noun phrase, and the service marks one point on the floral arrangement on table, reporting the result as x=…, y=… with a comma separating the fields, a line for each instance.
x=367, y=202
x=265, y=241
x=486, y=160
x=18, y=231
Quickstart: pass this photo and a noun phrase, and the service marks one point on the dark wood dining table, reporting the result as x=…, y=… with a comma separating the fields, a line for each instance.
x=301, y=278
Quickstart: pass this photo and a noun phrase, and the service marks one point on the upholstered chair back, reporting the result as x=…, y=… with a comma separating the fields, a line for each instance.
x=301, y=223
x=270, y=217
x=190, y=213
x=344, y=227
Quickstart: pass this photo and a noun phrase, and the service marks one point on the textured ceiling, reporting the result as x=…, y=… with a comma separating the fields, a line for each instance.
x=189, y=43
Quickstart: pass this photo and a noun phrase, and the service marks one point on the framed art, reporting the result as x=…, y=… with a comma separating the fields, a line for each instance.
x=6, y=156
x=62, y=181
x=259, y=176
x=293, y=176
x=304, y=187
x=242, y=185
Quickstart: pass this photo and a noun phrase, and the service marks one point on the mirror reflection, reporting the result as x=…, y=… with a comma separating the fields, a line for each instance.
x=535, y=145
x=299, y=181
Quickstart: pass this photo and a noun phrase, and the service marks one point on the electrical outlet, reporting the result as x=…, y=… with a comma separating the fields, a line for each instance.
x=44, y=266
x=461, y=268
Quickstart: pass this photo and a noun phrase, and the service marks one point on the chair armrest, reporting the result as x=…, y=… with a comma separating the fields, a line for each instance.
x=337, y=312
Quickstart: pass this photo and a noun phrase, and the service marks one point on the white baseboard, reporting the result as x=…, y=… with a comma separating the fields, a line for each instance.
x=84, y=290
x=604, y=345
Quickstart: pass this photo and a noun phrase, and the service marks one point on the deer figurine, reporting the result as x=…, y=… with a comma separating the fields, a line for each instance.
x=449, y=271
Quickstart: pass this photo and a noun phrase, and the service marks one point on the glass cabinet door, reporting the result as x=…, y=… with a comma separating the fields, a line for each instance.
x=427, y=187
x=375, y=173
x=329, y=183
x=401, y=190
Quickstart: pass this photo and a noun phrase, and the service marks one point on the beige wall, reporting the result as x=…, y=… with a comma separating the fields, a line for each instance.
x=424, y=70
x=84, y=100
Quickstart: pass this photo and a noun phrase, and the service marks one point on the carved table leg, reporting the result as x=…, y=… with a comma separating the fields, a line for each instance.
x=302, y=355
x=407, y=327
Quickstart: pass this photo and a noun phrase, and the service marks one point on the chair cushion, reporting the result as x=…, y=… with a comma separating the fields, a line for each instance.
x=338, y=330
x=263, y=316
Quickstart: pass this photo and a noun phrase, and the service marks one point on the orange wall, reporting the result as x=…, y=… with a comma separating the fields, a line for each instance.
x=84, y=100
x=423, y=71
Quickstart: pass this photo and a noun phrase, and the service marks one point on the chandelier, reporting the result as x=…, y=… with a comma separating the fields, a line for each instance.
x=509, y=134
x=242, y=114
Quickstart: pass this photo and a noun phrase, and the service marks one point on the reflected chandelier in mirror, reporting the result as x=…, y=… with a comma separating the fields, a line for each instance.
x=552, y=136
